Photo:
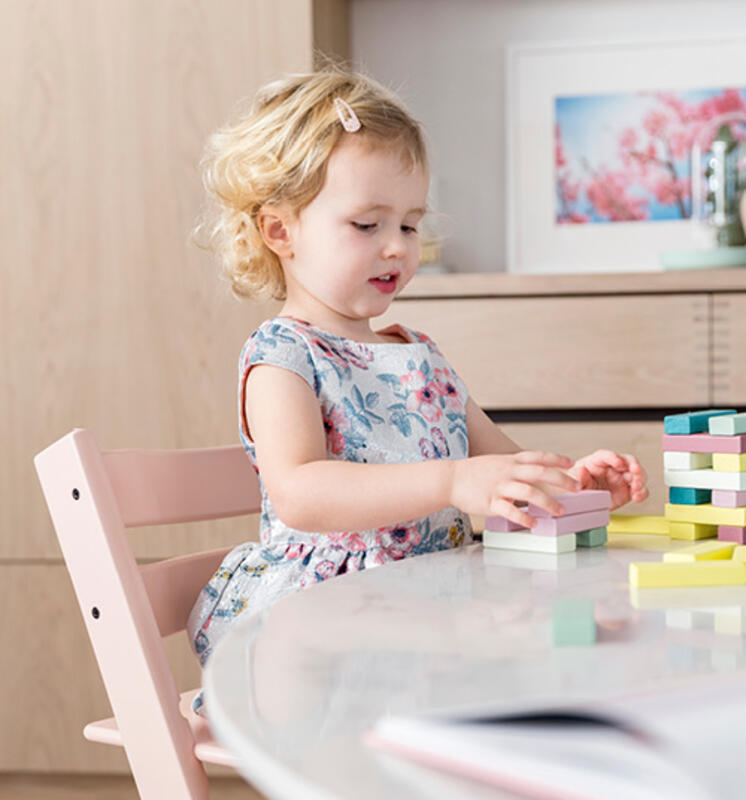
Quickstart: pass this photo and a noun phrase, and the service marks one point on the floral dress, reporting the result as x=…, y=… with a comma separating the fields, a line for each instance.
x=382, y=403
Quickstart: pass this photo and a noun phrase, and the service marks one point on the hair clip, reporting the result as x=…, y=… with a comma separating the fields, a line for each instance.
x=347, y=116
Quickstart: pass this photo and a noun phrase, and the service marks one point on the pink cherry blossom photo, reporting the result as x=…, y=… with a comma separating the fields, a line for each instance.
x=627, y=157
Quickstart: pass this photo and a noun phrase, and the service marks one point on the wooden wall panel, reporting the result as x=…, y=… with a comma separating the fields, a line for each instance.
x=110, y=318
x=51, y=685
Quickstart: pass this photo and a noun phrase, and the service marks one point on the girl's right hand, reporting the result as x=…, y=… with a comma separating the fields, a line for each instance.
x=490, y=485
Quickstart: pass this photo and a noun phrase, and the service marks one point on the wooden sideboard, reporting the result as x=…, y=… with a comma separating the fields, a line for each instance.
x=577, y=362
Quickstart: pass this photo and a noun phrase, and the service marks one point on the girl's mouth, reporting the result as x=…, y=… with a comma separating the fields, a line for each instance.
x=385, y=283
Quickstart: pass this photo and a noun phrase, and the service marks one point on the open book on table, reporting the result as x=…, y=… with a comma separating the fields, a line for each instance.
x=686, y=742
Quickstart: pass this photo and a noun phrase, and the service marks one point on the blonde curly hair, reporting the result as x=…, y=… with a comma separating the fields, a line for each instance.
x=277, y=153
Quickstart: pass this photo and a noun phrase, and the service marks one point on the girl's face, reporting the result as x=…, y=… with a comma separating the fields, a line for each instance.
x=356, y=245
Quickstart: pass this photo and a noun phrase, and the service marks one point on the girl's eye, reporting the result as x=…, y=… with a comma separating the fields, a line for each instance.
x=408, y=229
x=364, y=226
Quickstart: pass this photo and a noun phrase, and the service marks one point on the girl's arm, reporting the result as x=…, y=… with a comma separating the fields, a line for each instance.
x=313, y=493
x=484, y=436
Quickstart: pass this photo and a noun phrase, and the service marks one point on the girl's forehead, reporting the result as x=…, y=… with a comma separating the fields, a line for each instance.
x=361, y=168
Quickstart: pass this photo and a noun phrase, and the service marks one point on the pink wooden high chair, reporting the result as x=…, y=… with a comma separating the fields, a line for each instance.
x=93, y=496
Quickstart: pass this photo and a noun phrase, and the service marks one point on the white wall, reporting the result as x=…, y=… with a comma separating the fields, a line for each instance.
x=446, y=57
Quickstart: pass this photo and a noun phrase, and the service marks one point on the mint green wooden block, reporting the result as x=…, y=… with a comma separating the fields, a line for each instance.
x=573, y=622
x=595, y=537
x=728, y=425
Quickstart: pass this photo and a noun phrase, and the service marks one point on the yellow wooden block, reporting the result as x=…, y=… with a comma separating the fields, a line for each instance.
x=704, y=551
x=739, y=554
x=637, y=523
x=691, y=530
x=645, y=574
x=706, y=513
x=729, y=462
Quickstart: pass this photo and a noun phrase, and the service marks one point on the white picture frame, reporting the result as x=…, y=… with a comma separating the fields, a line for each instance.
x=536, y=74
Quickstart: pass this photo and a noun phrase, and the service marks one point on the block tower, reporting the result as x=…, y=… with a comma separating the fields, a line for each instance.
x=704, y=466
x=583, y=524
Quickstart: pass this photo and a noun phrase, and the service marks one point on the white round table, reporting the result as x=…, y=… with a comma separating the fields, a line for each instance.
x=291, y=692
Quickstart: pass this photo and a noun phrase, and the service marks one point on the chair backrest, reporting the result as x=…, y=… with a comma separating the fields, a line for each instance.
x=93, y=497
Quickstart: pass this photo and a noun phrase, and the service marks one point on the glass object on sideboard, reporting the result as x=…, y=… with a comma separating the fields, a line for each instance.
x=719, y=181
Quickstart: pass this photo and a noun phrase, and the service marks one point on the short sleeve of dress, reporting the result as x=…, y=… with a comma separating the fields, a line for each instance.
x=275, y=342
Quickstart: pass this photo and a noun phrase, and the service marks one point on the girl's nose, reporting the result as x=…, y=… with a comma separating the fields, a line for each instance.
x=395, y=246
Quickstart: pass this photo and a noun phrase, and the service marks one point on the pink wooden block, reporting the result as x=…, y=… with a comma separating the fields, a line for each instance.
x=501, y=525
x=732, y=533
x=571, y=523
x=704, y=443
x=576, y=503
x=728, y=499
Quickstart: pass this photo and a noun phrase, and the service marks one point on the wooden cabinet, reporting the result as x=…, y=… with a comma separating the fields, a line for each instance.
x=728, y=372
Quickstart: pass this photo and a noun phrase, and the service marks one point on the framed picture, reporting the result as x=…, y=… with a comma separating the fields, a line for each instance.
x=599, y=148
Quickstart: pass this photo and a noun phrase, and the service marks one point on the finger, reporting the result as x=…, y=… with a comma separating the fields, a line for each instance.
x=501, y=507
x=543, y=457
x=517, y=490
x=534, y=473
x=608, y=457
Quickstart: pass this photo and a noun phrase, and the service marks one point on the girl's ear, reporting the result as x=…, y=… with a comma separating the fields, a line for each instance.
x=273, y=225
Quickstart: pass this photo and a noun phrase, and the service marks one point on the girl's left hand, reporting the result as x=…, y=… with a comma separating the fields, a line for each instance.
x=621, y=475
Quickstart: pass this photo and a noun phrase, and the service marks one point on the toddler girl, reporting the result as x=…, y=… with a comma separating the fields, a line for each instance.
x=366, y=442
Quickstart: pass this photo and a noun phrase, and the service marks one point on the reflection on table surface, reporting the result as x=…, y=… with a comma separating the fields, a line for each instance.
x=293, y=690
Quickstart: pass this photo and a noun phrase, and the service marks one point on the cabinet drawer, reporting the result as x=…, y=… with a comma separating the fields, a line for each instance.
x=729, y=349
x=572, y=352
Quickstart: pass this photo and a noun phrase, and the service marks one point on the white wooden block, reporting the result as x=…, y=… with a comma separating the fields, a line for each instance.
x=683, y=460
x=731, y=621
x=525, y=540
x=705, y=479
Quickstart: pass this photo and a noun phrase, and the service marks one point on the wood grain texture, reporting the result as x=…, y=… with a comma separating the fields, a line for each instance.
x=572, y=352
x=728, y=352
x=112, y=319
x=51, y=680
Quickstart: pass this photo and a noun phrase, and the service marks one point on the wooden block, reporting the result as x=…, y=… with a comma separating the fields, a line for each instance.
x=707, y=514
x=686, y=496
x=691, y=530
x=638, y=523
x=731, y=621
x=576, y=503
x=592, y=538
x=501, y=524
x=704, y=551
x=705, y=479
x=525, y=540
x=728, y=499
x=680, y=618
x=699, y=573
x=573, y=622
x=704, y=443
x=694, y=421
x=571, y=523
x=685, y=460
x=729, y=462
x=729, y=425
x=732, y=533
x=739, y=553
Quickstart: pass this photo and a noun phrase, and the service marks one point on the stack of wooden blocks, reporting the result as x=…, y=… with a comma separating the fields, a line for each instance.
x=582, y=525
x=704, y=466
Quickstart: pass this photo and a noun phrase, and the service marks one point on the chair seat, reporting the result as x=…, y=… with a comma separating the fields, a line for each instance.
x=206, y=748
